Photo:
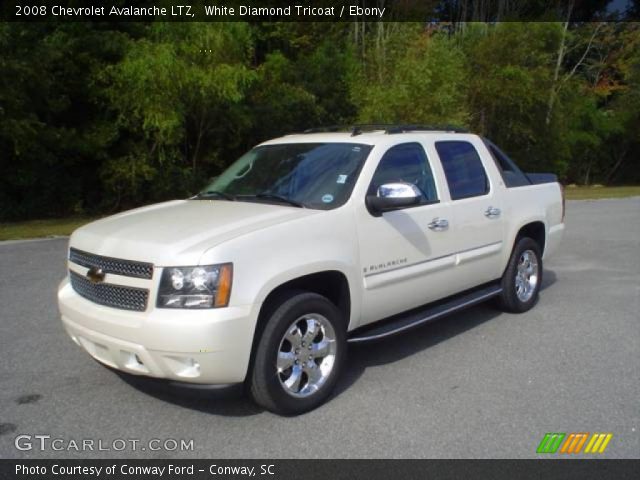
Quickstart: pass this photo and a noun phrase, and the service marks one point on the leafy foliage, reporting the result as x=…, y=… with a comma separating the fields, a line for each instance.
x=177, y=94
x=100, y=117
x=424, y=82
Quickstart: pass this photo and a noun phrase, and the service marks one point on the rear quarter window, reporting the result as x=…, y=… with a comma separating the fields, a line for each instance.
x=463, y=169
x=511, y=174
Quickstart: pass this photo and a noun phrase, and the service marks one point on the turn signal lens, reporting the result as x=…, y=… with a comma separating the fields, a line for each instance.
x=223, y=292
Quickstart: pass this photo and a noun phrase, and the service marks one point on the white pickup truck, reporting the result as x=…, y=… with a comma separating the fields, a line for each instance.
x=304, y=244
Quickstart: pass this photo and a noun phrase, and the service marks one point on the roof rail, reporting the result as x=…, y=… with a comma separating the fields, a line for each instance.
x=387, y=128
x=356, y=129
x=329, y=128
x=426, y=128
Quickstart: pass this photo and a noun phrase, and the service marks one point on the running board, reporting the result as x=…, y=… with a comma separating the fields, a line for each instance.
x=413, y=318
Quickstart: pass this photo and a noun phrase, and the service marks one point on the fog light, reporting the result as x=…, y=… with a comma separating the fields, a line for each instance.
x=133, y=362
x=183, y=366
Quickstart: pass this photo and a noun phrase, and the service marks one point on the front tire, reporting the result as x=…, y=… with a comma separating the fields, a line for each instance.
x=299, y=355
x=522, y=278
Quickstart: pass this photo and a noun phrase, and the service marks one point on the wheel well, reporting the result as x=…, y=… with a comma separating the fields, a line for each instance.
x=535, y=231
x=330, y=284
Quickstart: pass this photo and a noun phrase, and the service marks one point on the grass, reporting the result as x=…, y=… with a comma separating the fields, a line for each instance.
x=41, y=228
x=598, y=191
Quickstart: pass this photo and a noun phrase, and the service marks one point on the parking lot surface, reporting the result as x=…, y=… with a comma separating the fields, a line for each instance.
x=478, y=384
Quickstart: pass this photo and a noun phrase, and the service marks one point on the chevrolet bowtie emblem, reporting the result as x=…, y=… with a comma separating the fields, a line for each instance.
x=95, y=275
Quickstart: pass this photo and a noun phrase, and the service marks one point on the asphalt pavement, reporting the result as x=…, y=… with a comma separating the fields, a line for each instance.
x=480, y=384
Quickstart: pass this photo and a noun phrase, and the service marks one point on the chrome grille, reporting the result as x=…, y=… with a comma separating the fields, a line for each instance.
x=128, y=268
x=116, y=296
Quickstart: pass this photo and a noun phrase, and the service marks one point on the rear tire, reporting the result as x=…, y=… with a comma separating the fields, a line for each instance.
x=522, y=278
x=299, y=355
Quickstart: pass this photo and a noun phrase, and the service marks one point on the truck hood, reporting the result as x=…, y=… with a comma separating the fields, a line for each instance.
x=180, y=231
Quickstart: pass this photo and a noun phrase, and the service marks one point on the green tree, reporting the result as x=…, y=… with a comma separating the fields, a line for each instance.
x=99, y=117
x=511, y=69
x=177, y=93
x=420, y=79
x=53, y=134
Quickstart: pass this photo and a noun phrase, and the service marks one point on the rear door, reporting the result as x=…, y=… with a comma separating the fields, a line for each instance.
x=476, y=209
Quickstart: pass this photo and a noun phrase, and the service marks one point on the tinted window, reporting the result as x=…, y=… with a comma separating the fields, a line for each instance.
x=511, y=174
x=463, y=168
x=405, y=163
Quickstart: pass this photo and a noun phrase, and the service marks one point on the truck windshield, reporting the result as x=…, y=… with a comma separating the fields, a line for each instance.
x=310, y=175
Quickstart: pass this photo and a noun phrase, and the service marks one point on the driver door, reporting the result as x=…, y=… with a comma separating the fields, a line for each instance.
x=407, y=256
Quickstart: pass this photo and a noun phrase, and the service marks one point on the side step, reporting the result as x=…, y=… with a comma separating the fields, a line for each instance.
x=413, y=318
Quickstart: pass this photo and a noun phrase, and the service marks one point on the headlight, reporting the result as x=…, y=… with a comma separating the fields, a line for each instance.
x=195, y=287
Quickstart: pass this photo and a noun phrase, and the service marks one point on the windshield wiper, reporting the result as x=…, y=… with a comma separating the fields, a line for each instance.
x=279, y=198
x=216, y=193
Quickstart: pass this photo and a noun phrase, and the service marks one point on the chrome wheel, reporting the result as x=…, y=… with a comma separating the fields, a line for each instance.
x=306, y=355
x=527, y=275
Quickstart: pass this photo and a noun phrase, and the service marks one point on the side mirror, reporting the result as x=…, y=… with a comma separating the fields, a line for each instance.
x=392, y=196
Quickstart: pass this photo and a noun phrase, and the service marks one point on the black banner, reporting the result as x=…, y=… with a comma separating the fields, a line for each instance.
x=427, y=11
x=319, y=469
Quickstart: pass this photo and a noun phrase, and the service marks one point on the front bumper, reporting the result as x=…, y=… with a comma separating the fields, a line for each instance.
x=197, y=346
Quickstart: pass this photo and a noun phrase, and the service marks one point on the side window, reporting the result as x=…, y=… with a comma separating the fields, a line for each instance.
x=463, y=168
x=405, y=163
x=511, y=174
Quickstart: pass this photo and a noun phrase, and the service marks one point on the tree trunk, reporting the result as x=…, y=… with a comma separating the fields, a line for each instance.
x=363, y=35
x=587, y=174
x=616, y=166
x=380, y=49
x=196, y=151
x=556, y=73
x=381, y=45
x=356, y=32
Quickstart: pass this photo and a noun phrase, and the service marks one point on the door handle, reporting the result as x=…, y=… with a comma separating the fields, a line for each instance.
x=492, y=212
x=438, y=224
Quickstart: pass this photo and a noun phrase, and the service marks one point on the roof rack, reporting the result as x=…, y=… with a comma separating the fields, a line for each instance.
x=387, y=128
